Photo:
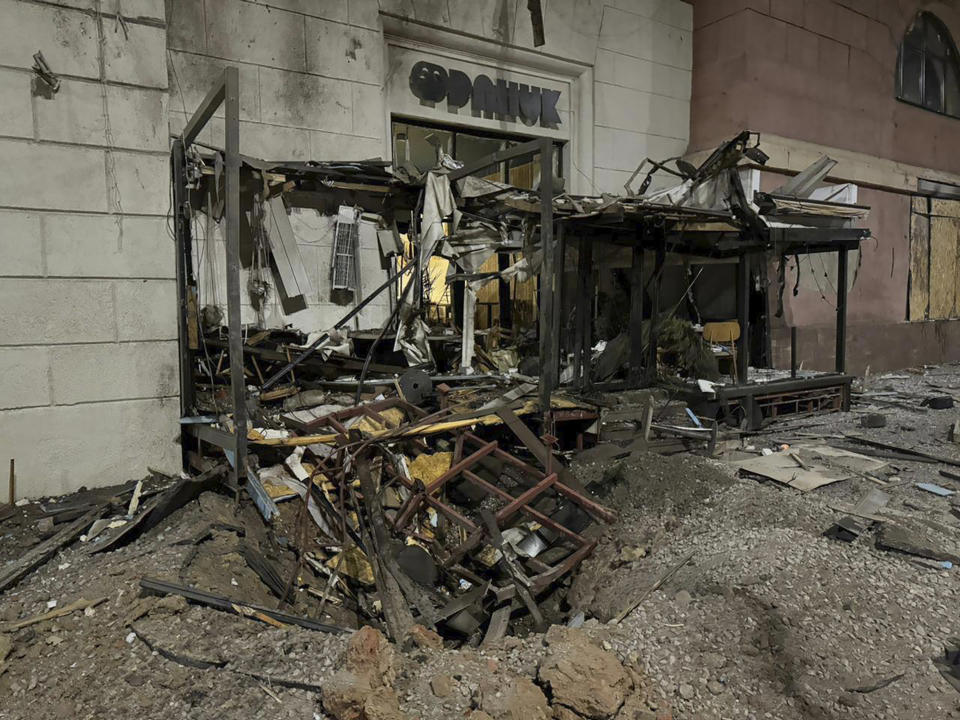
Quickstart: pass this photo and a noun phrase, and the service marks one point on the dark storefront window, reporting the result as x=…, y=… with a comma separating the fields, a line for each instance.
x=417, y=144
x=928, y=71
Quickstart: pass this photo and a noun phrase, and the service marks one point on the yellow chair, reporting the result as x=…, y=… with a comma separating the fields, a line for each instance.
x=724, y=333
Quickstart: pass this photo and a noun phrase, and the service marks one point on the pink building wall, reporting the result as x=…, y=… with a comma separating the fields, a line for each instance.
x=823, y=72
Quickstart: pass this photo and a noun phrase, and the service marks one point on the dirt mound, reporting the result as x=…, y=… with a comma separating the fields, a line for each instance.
x=648, y=483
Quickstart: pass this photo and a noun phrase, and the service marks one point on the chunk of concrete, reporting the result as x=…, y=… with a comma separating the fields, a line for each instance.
x=581, y=676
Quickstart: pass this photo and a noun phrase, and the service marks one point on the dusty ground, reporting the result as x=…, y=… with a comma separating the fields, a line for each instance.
x=768, y=619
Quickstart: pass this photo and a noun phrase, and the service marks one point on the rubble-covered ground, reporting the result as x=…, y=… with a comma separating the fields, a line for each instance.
x=767, y=618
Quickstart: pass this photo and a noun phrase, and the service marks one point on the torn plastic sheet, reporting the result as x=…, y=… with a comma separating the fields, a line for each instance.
x=412, y=340
x=437, y=204
x=473, y=187
x=525, y=268
x=335, y=344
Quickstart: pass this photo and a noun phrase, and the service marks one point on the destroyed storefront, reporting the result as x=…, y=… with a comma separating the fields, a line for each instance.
x=423, y=450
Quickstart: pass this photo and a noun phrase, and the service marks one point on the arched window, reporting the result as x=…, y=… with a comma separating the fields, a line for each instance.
x=928, y=71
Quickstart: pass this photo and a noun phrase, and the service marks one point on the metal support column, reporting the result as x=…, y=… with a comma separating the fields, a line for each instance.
x=650, y=372
x=793, y=351
x=842, y=259
x=548, y=280
x=743, y=318
x=556, y=325
x=584, y=332
x=181, y=219
x=636, y=309
x=231, y=101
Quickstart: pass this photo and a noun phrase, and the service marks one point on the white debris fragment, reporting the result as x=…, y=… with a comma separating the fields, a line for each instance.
x=131, y=636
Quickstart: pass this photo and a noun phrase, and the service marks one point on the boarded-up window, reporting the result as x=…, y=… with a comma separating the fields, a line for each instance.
x=934, y=259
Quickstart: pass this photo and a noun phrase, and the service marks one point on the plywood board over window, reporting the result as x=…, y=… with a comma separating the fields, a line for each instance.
x=919, y=300
x=934, y=259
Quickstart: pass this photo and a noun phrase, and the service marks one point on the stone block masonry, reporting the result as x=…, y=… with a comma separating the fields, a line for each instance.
x=88, y=329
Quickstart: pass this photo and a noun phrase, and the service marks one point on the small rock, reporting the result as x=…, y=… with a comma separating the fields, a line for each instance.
x=686, y=691
x=849, y=699
x=682, y=599
x=442, y=686
x=713, y=660
x=424, y=638
x=631, y=554
x=873, y=420
x=45, y=527
x=512, y=697
x=715, y=687
x=370, y=653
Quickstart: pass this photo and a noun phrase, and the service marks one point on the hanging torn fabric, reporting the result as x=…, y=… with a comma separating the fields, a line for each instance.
x=438, y=204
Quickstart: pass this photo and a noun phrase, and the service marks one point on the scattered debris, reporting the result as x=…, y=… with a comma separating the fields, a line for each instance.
x=935, y=489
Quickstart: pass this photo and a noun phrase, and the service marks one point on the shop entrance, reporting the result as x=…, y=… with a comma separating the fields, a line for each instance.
x=503, y=307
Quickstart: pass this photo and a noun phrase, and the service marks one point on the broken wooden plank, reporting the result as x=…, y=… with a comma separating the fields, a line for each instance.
x=81, y=604
x=18, y=569
x=159, y=507
x=218, y=602
x=497, y=627
x=396, y=610
x=903, y=540
x=268, y=573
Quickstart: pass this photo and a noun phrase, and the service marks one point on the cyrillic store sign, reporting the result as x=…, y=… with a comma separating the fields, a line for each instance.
x=504, y=100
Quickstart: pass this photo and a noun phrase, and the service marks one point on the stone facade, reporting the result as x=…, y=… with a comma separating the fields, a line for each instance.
x=88, y=348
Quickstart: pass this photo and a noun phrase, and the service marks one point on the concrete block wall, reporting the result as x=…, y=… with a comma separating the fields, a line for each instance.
x=642, y=81
x=311, y=74
x=88, y=350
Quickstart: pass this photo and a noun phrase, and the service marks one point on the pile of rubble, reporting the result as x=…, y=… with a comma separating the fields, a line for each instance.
x=573, y=679
x=427, y=515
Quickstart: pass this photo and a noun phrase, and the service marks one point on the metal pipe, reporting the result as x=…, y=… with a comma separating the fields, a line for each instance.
x=312, y=348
